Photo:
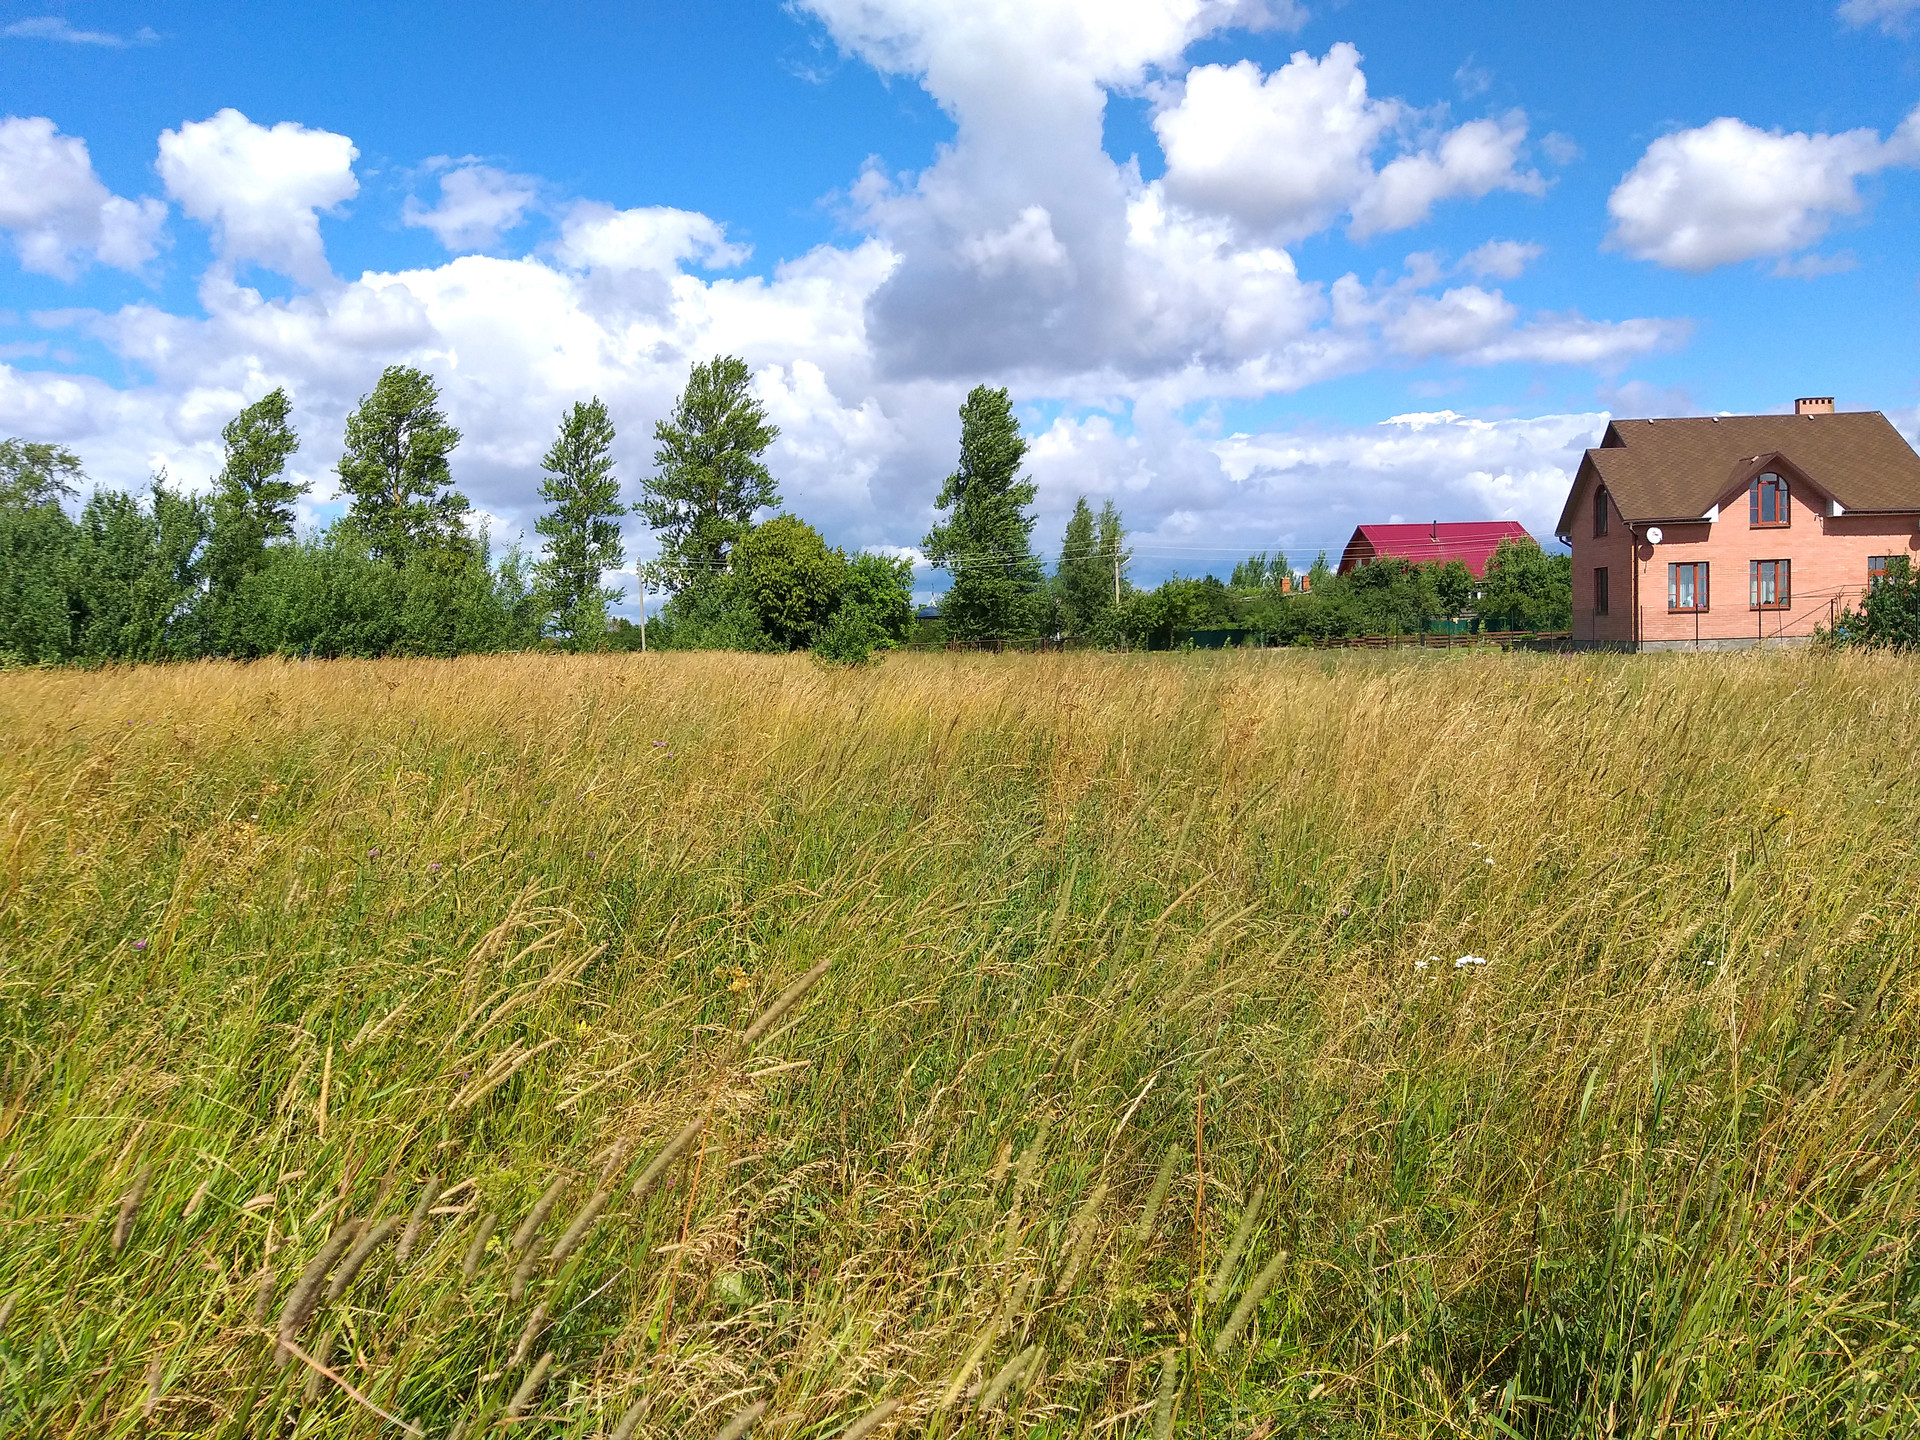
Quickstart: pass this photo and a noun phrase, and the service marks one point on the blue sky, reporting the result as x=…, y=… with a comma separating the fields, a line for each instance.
x=1258, y=270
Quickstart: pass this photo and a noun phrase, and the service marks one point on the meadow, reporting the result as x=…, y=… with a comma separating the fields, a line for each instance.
x=1098, y=1046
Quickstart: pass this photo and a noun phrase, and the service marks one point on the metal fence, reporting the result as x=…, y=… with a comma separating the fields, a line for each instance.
x=1493, y=639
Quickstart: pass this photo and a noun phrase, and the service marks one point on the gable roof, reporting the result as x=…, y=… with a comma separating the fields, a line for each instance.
x=1679, y=469
x=1470, y=541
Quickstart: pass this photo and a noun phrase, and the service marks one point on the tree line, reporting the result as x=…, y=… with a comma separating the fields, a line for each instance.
x=171, y=574
x=1000, y=591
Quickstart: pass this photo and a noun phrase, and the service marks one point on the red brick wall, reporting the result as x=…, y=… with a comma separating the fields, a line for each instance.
x=1612, y=550
x=1829, y=570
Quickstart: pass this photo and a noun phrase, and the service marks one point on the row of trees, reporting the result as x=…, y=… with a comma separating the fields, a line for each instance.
x=1522, y=589
x=173, y=575
x=1000, y=592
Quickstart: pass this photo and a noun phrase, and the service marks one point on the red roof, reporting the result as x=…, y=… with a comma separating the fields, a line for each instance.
x=1471, y=541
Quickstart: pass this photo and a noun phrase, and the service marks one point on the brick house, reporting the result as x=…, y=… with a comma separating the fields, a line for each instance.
x=1723, y=532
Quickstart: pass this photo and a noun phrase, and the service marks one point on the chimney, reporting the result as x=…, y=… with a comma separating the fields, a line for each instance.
x=1814, y=405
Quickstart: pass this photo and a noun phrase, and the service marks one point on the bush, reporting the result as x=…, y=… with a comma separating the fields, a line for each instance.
x=1526, y=589
x=1888, y=616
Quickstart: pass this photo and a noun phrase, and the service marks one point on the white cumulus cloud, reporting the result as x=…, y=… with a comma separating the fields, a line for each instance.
x=1288, y=153
x=1728, y=191
x=478, y=205
x=261, y=188
x=1413, y=468
x=1457, y=322
x=1474, y=160
x=59, y=213
x=1501, y=259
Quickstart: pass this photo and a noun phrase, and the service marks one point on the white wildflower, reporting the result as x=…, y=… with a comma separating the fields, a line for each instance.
x=1466, y=960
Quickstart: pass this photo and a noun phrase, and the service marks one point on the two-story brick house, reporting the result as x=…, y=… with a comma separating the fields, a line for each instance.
x=1725, y=531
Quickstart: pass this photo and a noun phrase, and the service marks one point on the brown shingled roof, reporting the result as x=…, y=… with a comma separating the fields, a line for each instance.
x=1679, y=469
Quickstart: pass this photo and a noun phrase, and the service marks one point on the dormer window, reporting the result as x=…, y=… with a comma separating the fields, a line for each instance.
x=1769, y=501
x=1599, y=512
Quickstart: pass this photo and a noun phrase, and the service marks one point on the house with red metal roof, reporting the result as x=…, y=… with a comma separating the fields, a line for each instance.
x=1472, y=542
x=1719, y=532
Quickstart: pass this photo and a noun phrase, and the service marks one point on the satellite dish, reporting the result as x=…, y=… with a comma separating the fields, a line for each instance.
x=1655, y=535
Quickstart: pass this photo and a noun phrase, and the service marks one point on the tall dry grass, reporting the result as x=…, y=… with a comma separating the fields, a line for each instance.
x=283, y=945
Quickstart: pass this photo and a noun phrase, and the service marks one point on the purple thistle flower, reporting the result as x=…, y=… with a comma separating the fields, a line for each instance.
x=139, y=944
x=434, y=868
x=374, y=851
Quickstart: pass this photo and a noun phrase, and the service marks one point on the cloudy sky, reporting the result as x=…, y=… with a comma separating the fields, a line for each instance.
x=1257, y=270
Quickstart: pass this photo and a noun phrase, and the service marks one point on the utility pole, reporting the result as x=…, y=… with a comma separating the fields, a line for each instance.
x=1116, y=575
x=640, y=578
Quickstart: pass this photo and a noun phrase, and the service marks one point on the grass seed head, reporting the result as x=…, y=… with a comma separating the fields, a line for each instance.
x=417, y=1222
x=582, y=1224
x=738, y=1427
x=322, y=1355
x=477, y=1247
x=198, y=1198
x=536, y=1217
x=263, y=1293
x=130, y=1207
x=304, y=1298
x=1243, y=1232
x=529, y=1388
x=1083, y=1234
x=871, y=1421
x=362, y=1250
x=156, y=1371
x=630, y=1421
x=1157, y=1196
x=1249, y=1302
x=787, y=1000
x=523, y=1272
x=530, y=1332
x=1169, y=1394
x=1004, y=1377
x=650, y=1176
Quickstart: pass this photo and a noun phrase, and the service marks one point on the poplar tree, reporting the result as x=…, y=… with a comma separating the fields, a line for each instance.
x=1115, y=558
x=1092, y=575
x=37, y=548
x=986, y=541
x=710, y=478
x=1077, y=582
x=395, y=467
x=253, y=501
x=581, y=525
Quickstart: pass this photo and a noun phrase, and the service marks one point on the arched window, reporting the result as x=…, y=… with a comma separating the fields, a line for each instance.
x=1600, y=512
x=1769, y=500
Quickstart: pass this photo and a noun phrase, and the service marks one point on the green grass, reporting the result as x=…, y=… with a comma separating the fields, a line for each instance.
x=297, y=939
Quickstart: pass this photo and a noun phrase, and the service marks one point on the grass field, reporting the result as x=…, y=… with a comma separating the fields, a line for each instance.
x=1153, y=1087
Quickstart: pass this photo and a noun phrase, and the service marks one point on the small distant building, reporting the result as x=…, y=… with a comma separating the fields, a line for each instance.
x=1472, y=542
x=1719, y=532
